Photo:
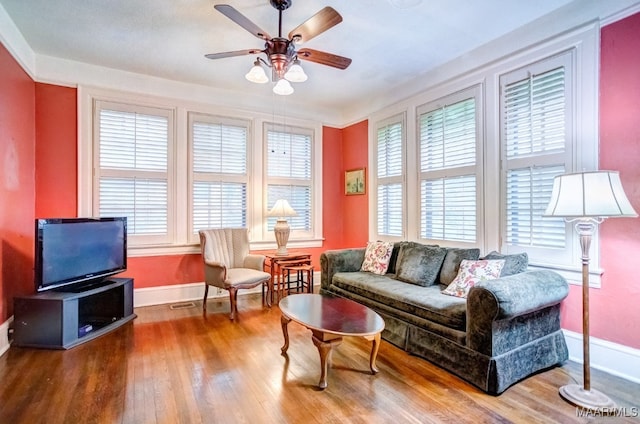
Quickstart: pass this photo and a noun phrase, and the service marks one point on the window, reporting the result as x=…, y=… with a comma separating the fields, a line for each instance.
x=132, y=168
x=536, y=125
x=289, y=174
x=389, y=172
x=448, y=148
x=219, y=172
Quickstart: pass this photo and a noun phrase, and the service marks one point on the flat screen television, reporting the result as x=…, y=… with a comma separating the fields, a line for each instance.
x=78, y=251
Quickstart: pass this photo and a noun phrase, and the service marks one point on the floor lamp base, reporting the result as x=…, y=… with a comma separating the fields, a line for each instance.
x=590, y=399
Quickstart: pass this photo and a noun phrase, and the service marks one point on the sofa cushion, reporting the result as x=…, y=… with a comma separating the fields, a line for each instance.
x=452, y=261
x=426, y=302
x=514, y=264
x=471, y=273
x=419, y=264
x=376, y=257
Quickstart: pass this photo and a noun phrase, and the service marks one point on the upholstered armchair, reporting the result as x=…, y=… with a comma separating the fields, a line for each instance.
x=228, y=264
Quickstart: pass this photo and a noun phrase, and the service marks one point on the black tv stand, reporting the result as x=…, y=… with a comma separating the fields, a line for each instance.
x=62, y=320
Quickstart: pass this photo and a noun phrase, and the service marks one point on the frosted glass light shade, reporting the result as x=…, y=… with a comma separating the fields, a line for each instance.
x=283, y=87
x=296, y=73
x=596, y=194
x=256, y=74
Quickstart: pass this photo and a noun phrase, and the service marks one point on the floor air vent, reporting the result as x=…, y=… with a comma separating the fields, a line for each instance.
x=184, y=305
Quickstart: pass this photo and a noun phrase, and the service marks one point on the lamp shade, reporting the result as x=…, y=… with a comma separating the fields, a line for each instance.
x=295, y=72
x=283, y=87
x=256, y=74
x=281, y=209
x=595, y=194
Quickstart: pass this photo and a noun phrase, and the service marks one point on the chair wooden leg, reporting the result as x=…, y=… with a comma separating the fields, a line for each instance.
x=206, y=293
x=232, y=298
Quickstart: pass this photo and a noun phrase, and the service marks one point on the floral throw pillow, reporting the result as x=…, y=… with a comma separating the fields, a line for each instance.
x=376, y=257
x=472, y=272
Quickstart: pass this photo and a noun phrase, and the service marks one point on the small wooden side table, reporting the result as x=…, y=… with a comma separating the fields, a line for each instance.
x=273, y=264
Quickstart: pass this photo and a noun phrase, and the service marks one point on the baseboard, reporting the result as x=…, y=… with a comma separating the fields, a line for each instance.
x=149, y=296
x=612, y=358
x=4, y=335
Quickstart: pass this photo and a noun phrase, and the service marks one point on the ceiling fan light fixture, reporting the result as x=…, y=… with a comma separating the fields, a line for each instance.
x=283, y=88
x=257, y=74
x=295, y=72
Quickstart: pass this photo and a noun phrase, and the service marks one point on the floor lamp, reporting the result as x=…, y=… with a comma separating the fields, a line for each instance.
x=587, y=198
x=281, y=210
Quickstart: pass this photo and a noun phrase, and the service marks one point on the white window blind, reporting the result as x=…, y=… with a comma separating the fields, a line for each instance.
x=289, y=174
x=390, y=177
x=132, y=168
x=219, y=172
x=536, y=131
x=448, y=170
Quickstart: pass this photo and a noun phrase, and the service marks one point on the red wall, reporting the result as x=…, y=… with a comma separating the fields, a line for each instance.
x=56, y=151
x=356, y=207
x=17, y=186
x=614, y=308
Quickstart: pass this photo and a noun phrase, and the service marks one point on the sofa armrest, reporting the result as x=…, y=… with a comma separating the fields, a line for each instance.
x=343, y=260
x=512, y=310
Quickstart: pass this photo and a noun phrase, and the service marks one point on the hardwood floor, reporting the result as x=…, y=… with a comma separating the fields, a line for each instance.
x=180, y=366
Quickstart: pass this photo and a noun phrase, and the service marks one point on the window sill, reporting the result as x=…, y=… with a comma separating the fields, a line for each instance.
x=191, y=249
x=573, y=275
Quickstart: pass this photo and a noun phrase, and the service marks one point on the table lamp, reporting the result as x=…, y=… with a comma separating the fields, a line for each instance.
x=281, y=210
x=587, y=198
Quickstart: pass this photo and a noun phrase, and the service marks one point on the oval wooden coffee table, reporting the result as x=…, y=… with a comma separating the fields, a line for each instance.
x=330, y=318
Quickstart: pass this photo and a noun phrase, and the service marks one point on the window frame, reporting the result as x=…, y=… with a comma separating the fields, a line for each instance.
x=375, y=180
x=473, y=92
x=194, y=177
x=98, y=171
x=583, y=42
x=296, y=234
x=181, y=243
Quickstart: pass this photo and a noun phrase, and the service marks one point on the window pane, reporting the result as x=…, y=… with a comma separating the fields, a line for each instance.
x=219, y=148
x=130, y=140
x=143, y=201
x=299, y=197
x=448, y=136
x=390, y=203
x=448, y=209
x=390, y=150
x=534, y=114
x=288, y=155
x=219, y=205
x=528, y=193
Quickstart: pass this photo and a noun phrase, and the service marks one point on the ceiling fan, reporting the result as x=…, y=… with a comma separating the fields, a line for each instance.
x=281, y=53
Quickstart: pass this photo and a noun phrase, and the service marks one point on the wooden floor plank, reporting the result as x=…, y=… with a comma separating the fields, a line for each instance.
x=186, y=366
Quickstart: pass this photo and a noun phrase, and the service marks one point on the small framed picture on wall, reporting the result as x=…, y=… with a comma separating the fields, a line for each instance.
x=355, y=181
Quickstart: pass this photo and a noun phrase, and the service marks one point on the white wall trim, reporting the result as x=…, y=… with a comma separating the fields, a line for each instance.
x=148, y=296
x=612, y=358
x=4, y=335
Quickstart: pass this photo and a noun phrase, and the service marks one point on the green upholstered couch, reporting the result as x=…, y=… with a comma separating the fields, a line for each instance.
x=505, y=330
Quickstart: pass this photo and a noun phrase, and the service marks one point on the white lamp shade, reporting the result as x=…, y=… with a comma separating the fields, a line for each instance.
x=256, y=74
x=596, y=194
x=283, y=87
x=296, y=73
x=281, y=209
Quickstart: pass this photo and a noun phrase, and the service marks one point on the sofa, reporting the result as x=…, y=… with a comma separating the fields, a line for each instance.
x=506, y=329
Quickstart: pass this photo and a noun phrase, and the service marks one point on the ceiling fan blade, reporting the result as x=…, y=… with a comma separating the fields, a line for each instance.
x=242, y=20
x=317, y=24
x=324, y=58
x=232, y=54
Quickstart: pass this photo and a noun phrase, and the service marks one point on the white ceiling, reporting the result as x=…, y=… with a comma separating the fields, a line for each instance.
x=389, y=44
